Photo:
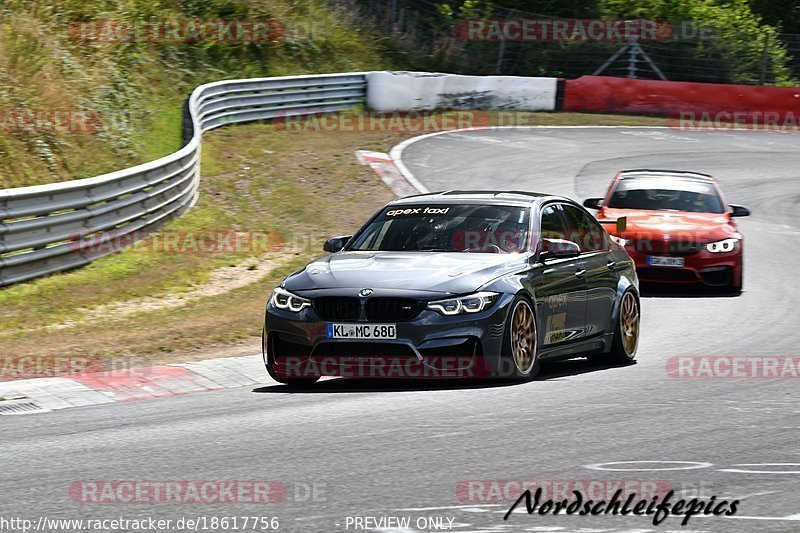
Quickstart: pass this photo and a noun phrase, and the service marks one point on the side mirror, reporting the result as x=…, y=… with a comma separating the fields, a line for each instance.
x=334, y=244
x=593, y=203
x=558, y=249
x=620, y=225
x=739, y=211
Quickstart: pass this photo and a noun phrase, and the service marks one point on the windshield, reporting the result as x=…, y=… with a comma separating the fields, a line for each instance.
x=445, y=228
x=666, y=194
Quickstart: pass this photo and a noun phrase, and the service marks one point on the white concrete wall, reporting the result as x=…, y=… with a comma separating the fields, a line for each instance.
x=417, y=91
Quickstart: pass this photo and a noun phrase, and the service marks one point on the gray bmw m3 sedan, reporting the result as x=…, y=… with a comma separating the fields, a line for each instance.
x=457, y=284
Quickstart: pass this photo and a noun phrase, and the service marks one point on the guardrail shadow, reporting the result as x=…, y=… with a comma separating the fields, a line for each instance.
x=549, y=371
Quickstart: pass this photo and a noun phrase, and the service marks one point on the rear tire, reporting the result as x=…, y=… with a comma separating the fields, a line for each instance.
x=520, y=357
x=626, y=332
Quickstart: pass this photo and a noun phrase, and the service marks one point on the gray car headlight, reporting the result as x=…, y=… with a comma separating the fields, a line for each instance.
x=718, y=247
x=283, y=299
x=473, y=303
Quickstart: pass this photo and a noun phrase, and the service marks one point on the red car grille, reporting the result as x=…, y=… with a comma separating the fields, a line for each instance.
x=666, y=274
x=659, y=247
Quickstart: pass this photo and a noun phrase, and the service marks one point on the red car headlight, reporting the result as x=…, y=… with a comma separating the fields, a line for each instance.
x=723, y=246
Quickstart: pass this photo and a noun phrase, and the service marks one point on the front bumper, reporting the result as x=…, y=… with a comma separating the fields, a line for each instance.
x=703, y=267
x=295, y=346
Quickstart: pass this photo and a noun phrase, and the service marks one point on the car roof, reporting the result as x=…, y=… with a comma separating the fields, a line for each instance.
x=653, y=173
x=521, y=198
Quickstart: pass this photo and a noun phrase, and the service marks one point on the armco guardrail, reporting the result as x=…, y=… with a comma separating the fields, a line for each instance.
x=42, y=228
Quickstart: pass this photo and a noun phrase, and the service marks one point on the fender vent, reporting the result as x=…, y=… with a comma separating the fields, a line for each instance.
x=20, y=407
x=496, y=330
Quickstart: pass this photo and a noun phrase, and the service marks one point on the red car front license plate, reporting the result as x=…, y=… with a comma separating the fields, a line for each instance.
x=658, y=261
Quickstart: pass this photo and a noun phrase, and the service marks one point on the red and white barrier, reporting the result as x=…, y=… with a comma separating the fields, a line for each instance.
x=689, y=101
x=418, y=91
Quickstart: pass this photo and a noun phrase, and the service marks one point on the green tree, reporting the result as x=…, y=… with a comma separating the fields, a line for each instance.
x=783, y=14
x=738, y=45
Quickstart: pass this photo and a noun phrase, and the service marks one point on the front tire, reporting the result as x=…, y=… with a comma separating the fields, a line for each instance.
x=520, y=345
x=626, y=332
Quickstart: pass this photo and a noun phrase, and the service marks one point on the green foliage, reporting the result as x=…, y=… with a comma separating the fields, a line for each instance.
x=731, y=43
x=784, y=14
x=135, y=85
x=547, y=8
x=736, y=39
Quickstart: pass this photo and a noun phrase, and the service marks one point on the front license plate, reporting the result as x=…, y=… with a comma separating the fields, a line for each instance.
x=362, y=331
x=656, y=261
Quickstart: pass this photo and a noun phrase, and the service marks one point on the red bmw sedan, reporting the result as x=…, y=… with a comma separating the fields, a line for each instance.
x=679, y=228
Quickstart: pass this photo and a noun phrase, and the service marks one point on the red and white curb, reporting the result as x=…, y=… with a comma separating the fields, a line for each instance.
x=401, y=183
x=52, y=393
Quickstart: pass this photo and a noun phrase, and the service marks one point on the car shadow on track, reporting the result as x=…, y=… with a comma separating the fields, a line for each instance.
x=549, y=371
x=660, y=290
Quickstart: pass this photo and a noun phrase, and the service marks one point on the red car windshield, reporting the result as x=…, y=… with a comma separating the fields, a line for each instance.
x=666, y=194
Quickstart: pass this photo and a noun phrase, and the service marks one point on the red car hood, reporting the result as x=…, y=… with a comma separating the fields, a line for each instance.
x=679, y=225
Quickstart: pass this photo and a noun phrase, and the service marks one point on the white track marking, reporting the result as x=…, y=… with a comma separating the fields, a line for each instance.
x=693, y=465
x=745, y=471
x=449, y=507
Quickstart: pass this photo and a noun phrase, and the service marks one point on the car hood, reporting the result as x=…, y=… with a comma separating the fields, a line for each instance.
x=440, y=272
x=684, y=225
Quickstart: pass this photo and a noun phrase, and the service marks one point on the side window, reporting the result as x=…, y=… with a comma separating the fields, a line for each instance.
x=552, y=226
x=584, y=230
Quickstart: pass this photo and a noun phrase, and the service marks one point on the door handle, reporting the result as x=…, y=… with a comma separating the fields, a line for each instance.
x=611, y=264
x=580, y=273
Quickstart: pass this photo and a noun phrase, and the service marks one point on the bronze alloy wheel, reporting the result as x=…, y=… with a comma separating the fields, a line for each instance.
x=629, y=323
x=523, y=337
